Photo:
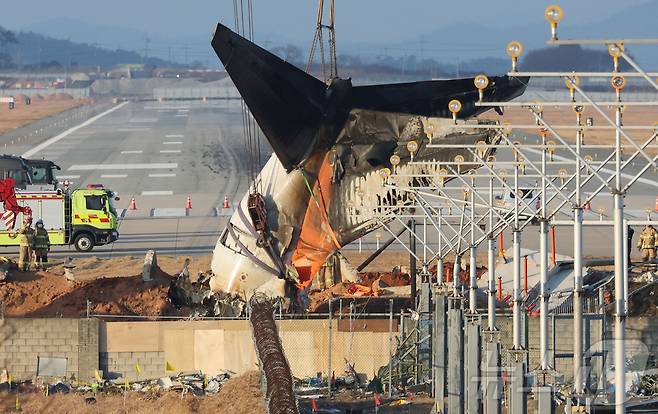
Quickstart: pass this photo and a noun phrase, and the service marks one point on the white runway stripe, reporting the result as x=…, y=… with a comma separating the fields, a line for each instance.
x=66, y=133
x=132, y=152
x=148, y=193
x=146, y=166
x=114, y=175
x=174, y=136
x=161, y=175
x=67, y=177
x=172, y=143
x=170, y=151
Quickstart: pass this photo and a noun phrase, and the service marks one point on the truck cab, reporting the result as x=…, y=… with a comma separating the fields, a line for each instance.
x=15, y=167
x=42, y=174
x=93, y=219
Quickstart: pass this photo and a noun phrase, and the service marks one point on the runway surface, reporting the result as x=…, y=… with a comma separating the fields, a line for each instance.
x=159, y=153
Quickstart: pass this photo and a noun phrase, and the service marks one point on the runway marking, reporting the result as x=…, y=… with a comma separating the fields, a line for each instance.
x=149, y=193
x=67, y=177
x=145, y=166
x=132, y=152
x=161, y=175
x=175, y=136
x=114, y=175
x=170, y=151
x=183, y=110
x=182, y=115
x=167, y=108
x=172, y=142
x=143, y=120
x=66, y=133
x=133, y=129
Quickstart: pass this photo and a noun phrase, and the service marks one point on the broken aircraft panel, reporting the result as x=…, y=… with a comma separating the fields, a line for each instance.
x=322, y=185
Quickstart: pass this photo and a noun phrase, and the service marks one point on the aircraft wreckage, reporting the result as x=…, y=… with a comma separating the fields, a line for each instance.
x=332, y=141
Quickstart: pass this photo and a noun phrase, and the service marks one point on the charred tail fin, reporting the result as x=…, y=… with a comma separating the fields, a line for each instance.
x=287, y=103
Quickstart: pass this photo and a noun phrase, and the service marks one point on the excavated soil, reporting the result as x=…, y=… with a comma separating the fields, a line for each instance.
x=239, y=395
x=113, y=286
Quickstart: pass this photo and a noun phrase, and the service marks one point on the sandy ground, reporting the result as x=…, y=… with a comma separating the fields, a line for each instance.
x=114, y=286
x=40, y=108
x=239, y=395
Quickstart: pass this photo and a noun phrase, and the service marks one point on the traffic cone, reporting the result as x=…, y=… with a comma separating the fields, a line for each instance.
x=656, y=204
x=188, y=203
x=133, y=204
x=226, y=204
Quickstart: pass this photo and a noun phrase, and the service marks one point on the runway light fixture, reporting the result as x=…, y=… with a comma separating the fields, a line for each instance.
x=466, y=191
x=514, y=50
x=454, y=107
x=571, y=82
x=412, y=147
x=481, y=148
x=550, y=148
x=441, y=178
x=481, y=82
x=578, y=109
x=588, y=158
x=429, y=131
x=618, y=82
x=562, y=172
x=615, y=50
x=553, y=15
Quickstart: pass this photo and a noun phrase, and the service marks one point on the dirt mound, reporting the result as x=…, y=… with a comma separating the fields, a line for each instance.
x=113, y=286
x=239, y=395
x=388, y=278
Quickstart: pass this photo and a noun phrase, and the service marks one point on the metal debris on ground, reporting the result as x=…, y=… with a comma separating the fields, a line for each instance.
x=196, y=294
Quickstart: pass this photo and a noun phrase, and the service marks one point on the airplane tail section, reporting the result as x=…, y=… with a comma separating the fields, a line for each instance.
x=287, y=103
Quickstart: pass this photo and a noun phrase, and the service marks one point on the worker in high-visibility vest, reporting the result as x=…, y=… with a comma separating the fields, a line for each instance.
x=647, y=243
x=25, y=243
x=41, y=246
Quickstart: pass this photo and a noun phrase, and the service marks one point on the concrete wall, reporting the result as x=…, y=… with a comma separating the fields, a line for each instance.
x=214, y=346
x=22, y=341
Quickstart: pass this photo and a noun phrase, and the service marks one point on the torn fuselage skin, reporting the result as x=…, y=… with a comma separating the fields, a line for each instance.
x=322, y=187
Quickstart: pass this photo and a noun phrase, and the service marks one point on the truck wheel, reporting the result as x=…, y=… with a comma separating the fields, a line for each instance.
x=84, y=242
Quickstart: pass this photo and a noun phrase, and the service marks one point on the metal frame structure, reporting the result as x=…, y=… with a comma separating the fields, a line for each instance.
x=460, y=212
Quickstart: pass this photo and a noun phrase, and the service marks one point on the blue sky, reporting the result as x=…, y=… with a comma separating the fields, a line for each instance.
x=358, y=20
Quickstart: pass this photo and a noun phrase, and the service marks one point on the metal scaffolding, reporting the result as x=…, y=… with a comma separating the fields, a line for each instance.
x=537, y=172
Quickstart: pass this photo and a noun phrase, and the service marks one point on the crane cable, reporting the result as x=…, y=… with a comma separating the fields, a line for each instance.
x=250, y=130
x=318, y=41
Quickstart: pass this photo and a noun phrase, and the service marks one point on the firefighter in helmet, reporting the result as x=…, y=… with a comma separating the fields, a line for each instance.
x=41, y=246
x=25, y=243
x=647, y=243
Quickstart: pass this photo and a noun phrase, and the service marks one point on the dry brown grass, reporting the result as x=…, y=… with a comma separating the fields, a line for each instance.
x=239, y=395
x=633, y=116
x=23, y=114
